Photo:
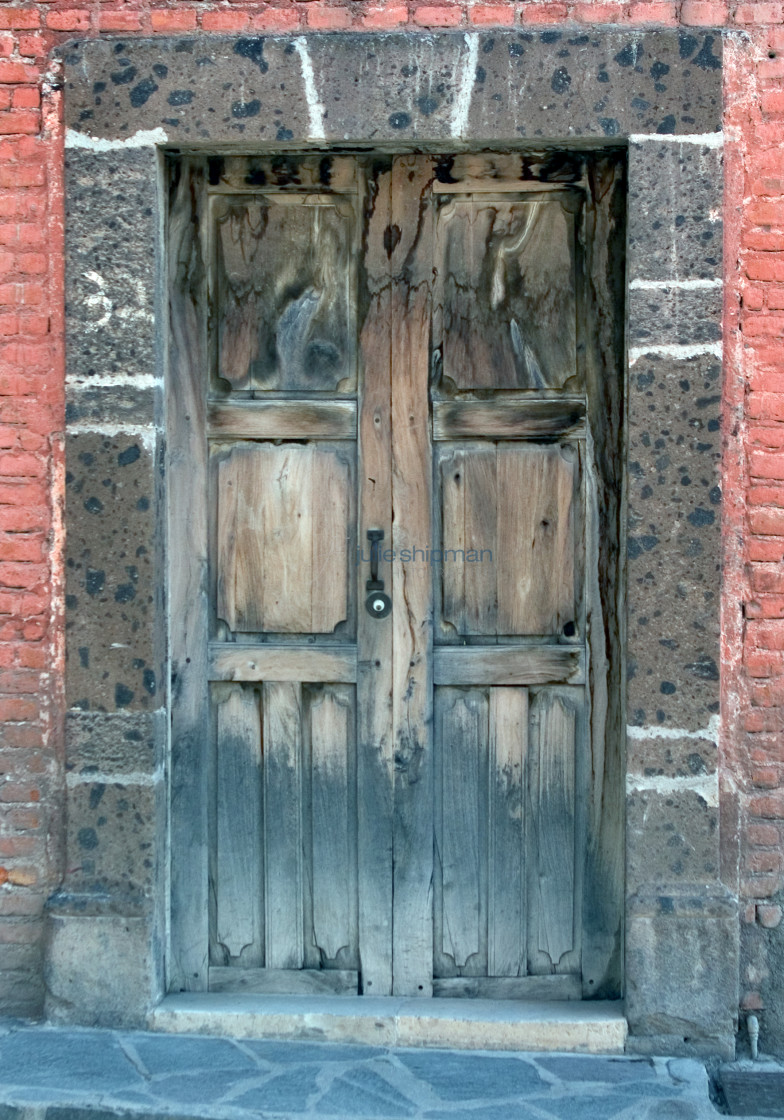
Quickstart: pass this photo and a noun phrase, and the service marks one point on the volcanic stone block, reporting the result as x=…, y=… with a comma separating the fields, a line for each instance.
x=675, y=198
x=674, y=548
x=102, y=970
x=685, y=317
x=114, y=581
x=670, y=838
x=112, y=222
x=682, y=970
x=114, y=743
x=396, y=87
x=111, y=837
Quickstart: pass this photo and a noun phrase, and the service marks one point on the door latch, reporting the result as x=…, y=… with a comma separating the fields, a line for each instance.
x=377, y=603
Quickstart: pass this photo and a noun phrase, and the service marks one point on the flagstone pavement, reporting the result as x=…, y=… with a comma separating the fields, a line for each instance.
x=54, y=1073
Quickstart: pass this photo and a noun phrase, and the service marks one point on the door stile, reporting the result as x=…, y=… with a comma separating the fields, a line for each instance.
x=412, y=613
x=375, y=745
x=188, y=551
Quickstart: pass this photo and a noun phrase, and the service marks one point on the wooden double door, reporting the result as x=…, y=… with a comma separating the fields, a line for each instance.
x=395, y=413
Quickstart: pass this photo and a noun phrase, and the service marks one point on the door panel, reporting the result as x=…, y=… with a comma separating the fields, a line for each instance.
x=506, y=291
x=426, y=801
x=508, y=533
x=285, y=292
x=285, y=522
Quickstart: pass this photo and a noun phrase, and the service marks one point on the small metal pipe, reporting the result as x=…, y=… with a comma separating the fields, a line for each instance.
x=752, y=1026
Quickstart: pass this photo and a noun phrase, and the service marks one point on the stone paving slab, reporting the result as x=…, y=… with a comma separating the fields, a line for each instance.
x=54, y=1073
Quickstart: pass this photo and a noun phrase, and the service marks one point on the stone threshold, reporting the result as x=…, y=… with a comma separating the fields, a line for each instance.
x=590, y=1027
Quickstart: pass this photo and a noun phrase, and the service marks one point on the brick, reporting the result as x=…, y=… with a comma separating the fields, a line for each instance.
x=761, y=862
x=27, y=97
x=757, y=13
x=119, y=21
x=543, y=13
x=276, y=19
x=751, y=1001
x=765, y=777
x=431, y=15
x=664, y=15
x=766, y=241
x=34, y=46
x=703, y=13
x=491, y=15
x=766, y=406
x=19, y=121
x=18, y=19
x=769, y=917
x=598, y=13
x=165, y=20
x=383, y=16
x=328, y=19
x=6, y=46
x=13, y=73
x=225, y=20
x=769, y=805
x=68, y=20
x=762, y=886
x=763, y=835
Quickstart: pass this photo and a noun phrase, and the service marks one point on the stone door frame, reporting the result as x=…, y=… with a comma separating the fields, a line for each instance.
x=659, y=94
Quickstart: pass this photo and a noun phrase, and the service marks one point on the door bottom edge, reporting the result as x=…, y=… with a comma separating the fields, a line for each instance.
x=580, y=1027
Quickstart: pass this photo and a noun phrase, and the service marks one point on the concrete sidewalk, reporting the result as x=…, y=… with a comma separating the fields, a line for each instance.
x=52, y=1073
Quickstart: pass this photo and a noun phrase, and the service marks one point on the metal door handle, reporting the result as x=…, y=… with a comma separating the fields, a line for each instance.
x=377, y=603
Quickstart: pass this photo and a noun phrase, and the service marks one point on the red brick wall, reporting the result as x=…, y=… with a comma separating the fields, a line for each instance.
x=31, y=414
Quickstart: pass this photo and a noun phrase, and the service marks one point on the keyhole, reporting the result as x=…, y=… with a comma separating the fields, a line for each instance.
x=378, y=604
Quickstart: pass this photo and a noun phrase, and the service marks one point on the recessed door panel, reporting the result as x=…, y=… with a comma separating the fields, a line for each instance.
x=284, y=283
x=506, y=304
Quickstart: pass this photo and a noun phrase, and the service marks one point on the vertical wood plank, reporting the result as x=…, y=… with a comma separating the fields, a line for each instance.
x=535, y=565
x=187, y=485
x=469, y=512
x=332, y=807
x=331, y=539
x=287, y=532
x=462, y=748
x=283, y=895
x=552, y=794
x=239, y=857
x=483, y=510
x=508, y=745
x=452, y=575
x=412, y=613
x=375, y=747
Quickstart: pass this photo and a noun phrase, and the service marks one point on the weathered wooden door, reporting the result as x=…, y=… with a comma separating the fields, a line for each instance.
x=395, y=410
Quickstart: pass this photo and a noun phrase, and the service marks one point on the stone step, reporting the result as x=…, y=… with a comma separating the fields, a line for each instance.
x=591, y=1027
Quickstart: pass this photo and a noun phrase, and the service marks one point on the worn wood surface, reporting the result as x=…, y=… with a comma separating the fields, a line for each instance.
x=508, y=419
x=507, y=756
x=412, y=703
x=535, y=568
x=283, y=808
x=508, y=665
x=187, y=476
x=284, y=280
x=229, y=661
x=333, y=850
x=285, y=981
x=506, y=301
x=239, y=870
x=283, y=419
x=539, y=988
x=552, y=793
x=461, y=795
x=375, y=742
x=283, y=538
x=501, y=286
